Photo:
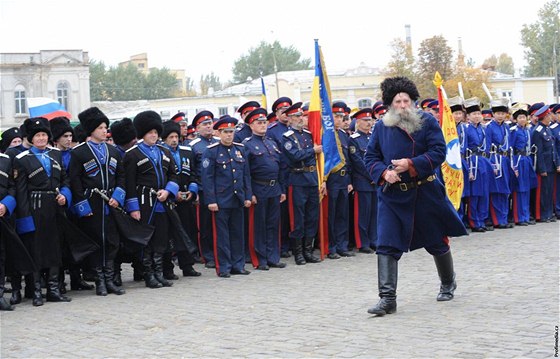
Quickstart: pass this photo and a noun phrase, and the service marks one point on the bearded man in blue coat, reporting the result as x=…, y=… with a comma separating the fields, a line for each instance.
x=402, y=156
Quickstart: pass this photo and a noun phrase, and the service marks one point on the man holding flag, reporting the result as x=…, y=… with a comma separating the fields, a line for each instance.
x=404, y=151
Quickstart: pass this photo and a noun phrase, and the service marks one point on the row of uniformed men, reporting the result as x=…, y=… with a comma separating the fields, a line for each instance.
x=94, y=176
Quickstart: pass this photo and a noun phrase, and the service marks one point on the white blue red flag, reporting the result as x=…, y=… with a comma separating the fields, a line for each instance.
x=46, y=107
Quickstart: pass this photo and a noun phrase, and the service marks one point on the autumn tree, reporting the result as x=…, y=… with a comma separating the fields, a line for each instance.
x=402, y=60
x=433, y=55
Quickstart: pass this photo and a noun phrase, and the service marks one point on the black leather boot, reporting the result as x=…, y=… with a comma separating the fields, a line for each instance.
x=37, y=295
x=117, y=279
x=444, y=265
x=100, y=284
x=109, y=279
x=158, y=270
x=138, y=266
x=61, y=282
x=16, y=289
x=149, y=278
x=76, y=280
x=4, y=304
x=298, y=251
x=53, y=287
x=167, y=263
x=387, y=273
x=29, y=291
x=308, y=251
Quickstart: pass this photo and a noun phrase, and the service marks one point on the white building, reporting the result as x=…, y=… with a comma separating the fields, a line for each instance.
x=56, y=74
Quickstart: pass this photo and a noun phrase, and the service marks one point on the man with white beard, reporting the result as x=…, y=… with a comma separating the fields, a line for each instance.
x=403, y=153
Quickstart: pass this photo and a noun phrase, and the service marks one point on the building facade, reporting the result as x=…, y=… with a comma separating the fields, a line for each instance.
x=58, y=74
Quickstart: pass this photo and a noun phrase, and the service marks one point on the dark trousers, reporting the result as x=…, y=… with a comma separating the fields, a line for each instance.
x=304, y=211
x=229, y=249
x=264, y=224
x=205, y=230
x=544, y=202
x=338, y=220
x=365, y=219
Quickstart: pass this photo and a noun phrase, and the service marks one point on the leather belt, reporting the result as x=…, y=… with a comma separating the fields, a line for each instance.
x=341, y=173
x=270, y=183
x=304, y=169
x=503, y=153
x=522, y=153
x=479, y=153
x=413, y=184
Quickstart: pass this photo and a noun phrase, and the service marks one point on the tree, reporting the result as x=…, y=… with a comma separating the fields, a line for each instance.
x=402, y=63
x=267, y=59
x=96, y=80
x=471, y=80
x=540, y=39
x=126, y=83
x=209, y=81
x=433, y=55
x=502, y=64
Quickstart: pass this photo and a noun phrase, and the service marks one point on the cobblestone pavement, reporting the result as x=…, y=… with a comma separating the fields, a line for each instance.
x=506, y=305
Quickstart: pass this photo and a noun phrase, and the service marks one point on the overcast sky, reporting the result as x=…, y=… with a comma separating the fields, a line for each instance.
x=208, y=36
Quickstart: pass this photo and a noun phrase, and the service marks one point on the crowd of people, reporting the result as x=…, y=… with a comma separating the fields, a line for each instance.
x=226, y=192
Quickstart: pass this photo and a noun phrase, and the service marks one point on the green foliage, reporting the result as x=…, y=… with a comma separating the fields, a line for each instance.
x=209, y=81
x=127, y=83
x=433, y=55
x=541, y=39
x=267, y=59
x=402, y=62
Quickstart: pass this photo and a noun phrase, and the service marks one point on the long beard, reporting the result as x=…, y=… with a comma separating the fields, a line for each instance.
x=408, y=119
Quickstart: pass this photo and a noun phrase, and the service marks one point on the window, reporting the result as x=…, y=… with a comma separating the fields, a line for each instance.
x=140, y=65
x=364, y=103
x=222, y=111
x=19, y=95
x=507, y=94
x=62, y=94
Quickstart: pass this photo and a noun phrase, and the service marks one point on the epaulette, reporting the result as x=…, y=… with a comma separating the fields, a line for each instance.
x=513, y=128
x=355, y=135
x=186, y=148
x=216, y=138
x=213, y=145
x=131, y=148
x=54, y=148
x=288, y=133
x=306, y=130
x=247, y=139
x=539, y=128
x=4, y=155
x=23, y=154
x=553, y=125
x=239, y=144
x=272, y=125
x=195, y=141
x=78, y=145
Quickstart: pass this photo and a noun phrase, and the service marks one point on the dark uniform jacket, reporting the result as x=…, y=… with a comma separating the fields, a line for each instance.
x=144, y=175
x=300, y=156
x=264, y=161
x=226, y=176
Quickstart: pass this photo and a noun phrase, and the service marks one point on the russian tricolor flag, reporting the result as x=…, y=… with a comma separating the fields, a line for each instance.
x=46, y=107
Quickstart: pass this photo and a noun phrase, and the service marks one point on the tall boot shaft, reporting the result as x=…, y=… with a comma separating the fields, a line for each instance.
x=100, y=283
x=387, y=274
x=446, y=273
x=297, y=247
x=158, y=270
x=308, y=251
x=37, y=295
x=149, y=278
x=53, y=287
x=108, y=270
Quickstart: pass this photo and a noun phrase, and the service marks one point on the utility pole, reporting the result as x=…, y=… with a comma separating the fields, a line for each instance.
x=555, y=67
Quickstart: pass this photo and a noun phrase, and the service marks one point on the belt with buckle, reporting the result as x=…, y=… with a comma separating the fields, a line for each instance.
x=480, y=153
x=341, y=173
x=503, y=153
x=266, y=182
x=521, y=153
x=413, y=184
x=304, y=169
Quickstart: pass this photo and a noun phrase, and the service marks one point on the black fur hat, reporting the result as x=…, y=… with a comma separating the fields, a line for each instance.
x=146, y=121
x=79, y=133
x=392, y=86
x=8, y=136
x=59, y=126
x=35, y=125
x=91, y=118
x=123, y=131
x=169, y=127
